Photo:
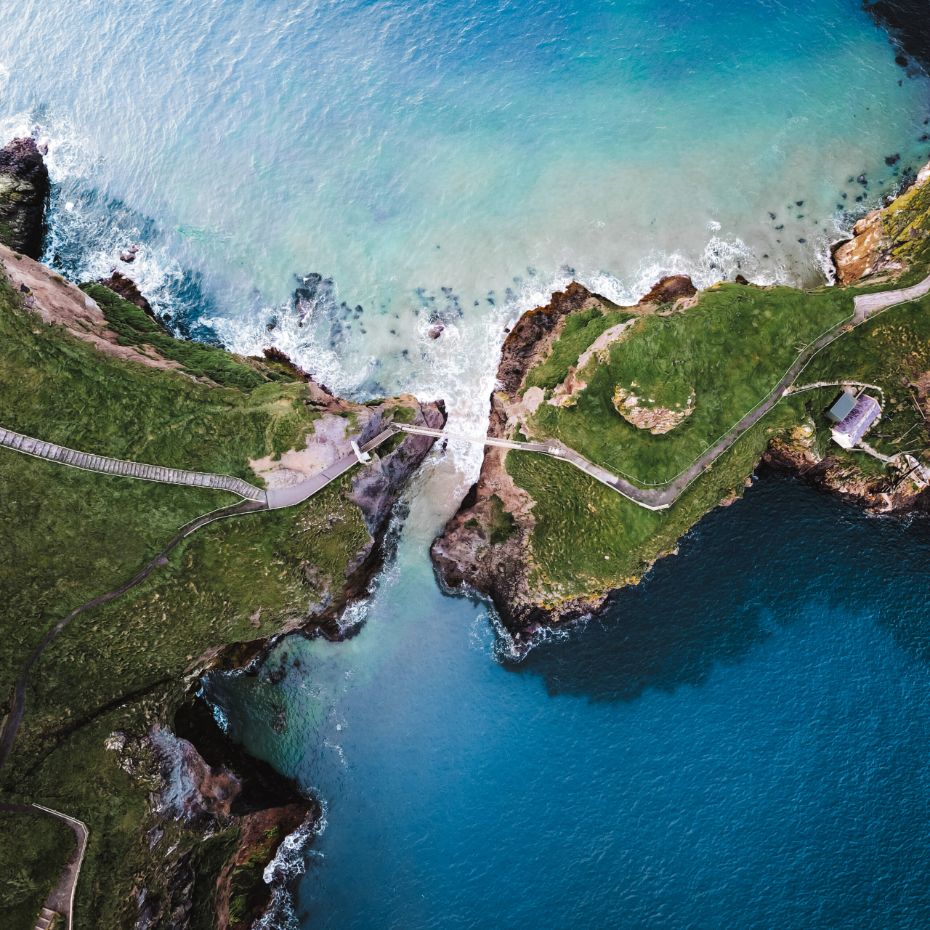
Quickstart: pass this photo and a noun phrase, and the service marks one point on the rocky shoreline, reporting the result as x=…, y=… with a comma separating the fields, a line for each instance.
x=218, y=817
x=473, y=554
x=24, y=193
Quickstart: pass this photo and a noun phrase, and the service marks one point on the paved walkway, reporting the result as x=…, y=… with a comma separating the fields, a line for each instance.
x=101, y=463
x=661, y=497
x=867, y=304
x=61, y=898
x=297, y=493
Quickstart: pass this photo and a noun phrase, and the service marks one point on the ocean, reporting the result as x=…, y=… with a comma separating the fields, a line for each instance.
x=742, y=740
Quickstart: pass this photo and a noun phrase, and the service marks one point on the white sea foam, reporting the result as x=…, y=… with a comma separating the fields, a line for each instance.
x=289, y=863
x=86, y=234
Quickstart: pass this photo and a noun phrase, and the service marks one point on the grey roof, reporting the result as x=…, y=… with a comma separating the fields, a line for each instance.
x=842, y=406
x=855, y=424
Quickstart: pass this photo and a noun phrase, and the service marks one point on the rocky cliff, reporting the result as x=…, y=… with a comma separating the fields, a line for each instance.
x=24, y=190
x=887, y=242
x=497, y=544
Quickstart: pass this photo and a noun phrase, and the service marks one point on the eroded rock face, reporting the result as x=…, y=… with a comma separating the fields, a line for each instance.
x=643, y=414
x=470, y=553
x=534, y=331
x=901, y=492
x=375, y=490
x=126, y=288
x=869, y=254
x=909, y=25
x=865, y=255
x=24, y=189
x=669, y=289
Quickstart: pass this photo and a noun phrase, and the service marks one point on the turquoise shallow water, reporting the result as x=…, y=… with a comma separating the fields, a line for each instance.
x=448, y=159
x=742, y=742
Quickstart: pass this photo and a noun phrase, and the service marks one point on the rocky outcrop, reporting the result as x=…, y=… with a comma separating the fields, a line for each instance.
x=24, y=190
x=895, y=492
x=535, y=331
x=878, y=249
x=376, y=490
x=496, y=513
x=126, y=288
x=909, y=25
x=669, y=289
x=645, y=415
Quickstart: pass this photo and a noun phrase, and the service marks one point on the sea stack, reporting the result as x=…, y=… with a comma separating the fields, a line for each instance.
x=24, y=190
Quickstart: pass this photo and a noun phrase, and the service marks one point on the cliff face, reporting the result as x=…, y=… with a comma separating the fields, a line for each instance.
x=887, y=242
x=502, y=544
x=24, y=189
x=496, y=513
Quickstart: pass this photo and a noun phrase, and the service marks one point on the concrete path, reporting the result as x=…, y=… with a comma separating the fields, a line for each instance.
x=101, y=463
x=297, y=493
x=867, y=304
x=662, y=496
x=61, y=898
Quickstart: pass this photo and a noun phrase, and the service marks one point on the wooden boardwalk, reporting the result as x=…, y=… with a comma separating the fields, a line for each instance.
x=109, y=466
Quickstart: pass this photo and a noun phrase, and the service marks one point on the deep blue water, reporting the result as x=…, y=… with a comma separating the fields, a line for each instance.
x=741, y=742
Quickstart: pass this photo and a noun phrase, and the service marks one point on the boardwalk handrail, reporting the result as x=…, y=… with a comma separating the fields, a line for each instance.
x=83, y=831
x=89, y=461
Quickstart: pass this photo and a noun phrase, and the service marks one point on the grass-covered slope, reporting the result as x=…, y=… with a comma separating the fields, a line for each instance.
x=727, y=353
x=702, y=363
x=69, y=535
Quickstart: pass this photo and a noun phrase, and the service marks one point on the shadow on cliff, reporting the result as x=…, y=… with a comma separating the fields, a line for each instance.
x=784, y=553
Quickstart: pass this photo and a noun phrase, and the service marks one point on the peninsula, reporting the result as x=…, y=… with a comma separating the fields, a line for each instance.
x=644, y=418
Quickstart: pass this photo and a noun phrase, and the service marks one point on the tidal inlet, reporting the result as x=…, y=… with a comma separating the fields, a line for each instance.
x=464, y=466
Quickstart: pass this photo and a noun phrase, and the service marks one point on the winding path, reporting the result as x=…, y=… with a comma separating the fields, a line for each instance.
x=663, y=496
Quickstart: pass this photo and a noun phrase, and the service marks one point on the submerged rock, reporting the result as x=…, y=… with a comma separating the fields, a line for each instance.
x=24, y=190
x=909, y=26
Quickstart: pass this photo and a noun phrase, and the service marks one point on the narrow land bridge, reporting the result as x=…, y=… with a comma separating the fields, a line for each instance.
x=659, y=497
x=256, y=499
